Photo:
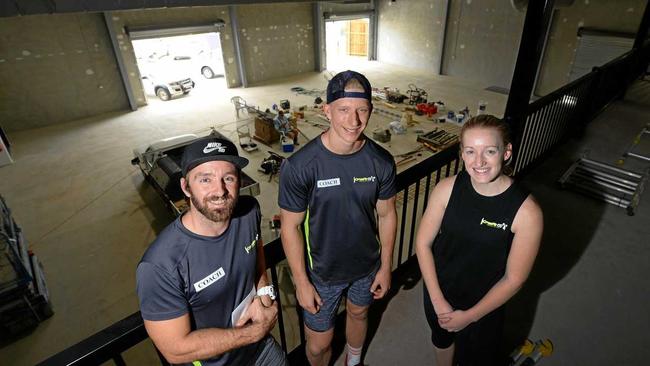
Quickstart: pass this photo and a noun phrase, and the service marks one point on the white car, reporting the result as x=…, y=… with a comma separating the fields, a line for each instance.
x=166, y=90
x=209, y=63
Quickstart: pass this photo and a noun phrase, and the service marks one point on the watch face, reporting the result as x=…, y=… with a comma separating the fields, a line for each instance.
x=268, y=290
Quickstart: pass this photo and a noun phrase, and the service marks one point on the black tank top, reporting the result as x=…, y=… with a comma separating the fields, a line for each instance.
x=472, y=247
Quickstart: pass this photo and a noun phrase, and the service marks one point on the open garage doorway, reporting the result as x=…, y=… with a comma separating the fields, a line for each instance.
x=346, y=43
x=180, y=66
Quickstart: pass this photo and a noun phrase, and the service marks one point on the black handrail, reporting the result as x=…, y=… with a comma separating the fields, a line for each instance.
x=426, y=167
x=546, y=126
x=109, y=343
x=553, y=118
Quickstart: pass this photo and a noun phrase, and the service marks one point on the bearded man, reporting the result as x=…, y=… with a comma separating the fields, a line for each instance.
x=204, y=295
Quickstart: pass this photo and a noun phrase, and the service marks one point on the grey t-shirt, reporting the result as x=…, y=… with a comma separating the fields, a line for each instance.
x=339, y=194
x=208, y=277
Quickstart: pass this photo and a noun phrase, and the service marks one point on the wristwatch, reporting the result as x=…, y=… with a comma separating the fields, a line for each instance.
x=267, y=290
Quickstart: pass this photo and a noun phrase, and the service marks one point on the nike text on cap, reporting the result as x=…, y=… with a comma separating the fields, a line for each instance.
x=336, y=86
x=210, y=149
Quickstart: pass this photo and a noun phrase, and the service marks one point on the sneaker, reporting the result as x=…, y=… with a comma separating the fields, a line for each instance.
x=346, y=361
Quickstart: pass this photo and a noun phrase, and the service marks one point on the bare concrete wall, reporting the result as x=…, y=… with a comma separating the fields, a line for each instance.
x=276, y=40
x=620, y=16
x=56, y=68
x=410, y=33
x=170, y=17
x=482, y=41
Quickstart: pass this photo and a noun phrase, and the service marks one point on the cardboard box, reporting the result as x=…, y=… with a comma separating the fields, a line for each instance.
x=265, y=131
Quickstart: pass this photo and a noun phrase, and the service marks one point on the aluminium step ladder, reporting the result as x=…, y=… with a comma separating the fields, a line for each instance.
x=605, y=182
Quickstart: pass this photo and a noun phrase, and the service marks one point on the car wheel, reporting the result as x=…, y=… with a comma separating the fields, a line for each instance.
x=163, y=94
x=207, y=72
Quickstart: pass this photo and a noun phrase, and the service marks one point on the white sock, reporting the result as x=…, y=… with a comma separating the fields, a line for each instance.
x=354, y=355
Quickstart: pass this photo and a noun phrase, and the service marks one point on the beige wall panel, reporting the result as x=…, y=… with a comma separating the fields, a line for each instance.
x=49, y=68
x=410, y=33
x=482, y=41
x=277, y=40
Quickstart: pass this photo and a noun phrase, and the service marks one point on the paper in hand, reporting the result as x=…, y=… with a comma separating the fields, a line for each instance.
x=242, y=307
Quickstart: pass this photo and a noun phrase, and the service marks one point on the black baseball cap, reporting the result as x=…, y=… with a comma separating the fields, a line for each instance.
x=210, y=149
x=336, y=86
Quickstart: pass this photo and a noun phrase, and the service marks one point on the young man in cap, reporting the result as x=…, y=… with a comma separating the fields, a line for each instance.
x=202, y=284
x=335, y=186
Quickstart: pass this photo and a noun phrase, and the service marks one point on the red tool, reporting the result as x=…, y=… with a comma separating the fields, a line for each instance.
x=427, y=108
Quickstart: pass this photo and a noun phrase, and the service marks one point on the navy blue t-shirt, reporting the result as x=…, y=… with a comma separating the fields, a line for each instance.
x=208, y=277
x=339, y=194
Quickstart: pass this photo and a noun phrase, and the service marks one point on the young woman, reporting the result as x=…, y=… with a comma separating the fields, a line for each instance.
x=476, y=244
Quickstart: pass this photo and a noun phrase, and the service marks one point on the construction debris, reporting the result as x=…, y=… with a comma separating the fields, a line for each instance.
x=438, y=139
x=389, y=94
x=416, y=95
x=309, y=92
x=271, y=164
x=381, y=135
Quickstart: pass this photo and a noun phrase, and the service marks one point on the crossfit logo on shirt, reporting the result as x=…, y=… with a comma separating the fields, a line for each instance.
x=494, y=225
x=252, y=245
x=369, y=179
x=328, y=182
x=210, y=279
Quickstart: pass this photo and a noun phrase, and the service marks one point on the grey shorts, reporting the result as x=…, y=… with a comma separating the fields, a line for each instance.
x=270, y=353
x=358, y=292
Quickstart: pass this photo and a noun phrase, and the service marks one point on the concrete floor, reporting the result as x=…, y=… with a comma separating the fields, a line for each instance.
x=89, y=216
x=588, y=292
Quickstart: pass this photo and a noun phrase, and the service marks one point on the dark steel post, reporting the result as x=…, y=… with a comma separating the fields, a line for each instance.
x=538, y=14
x=642, y=32
x=640, y=62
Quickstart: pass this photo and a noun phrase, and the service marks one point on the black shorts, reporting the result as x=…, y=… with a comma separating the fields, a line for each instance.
x=477, y=344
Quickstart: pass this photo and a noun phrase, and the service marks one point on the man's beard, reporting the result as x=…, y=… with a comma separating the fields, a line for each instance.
x=219, y=214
